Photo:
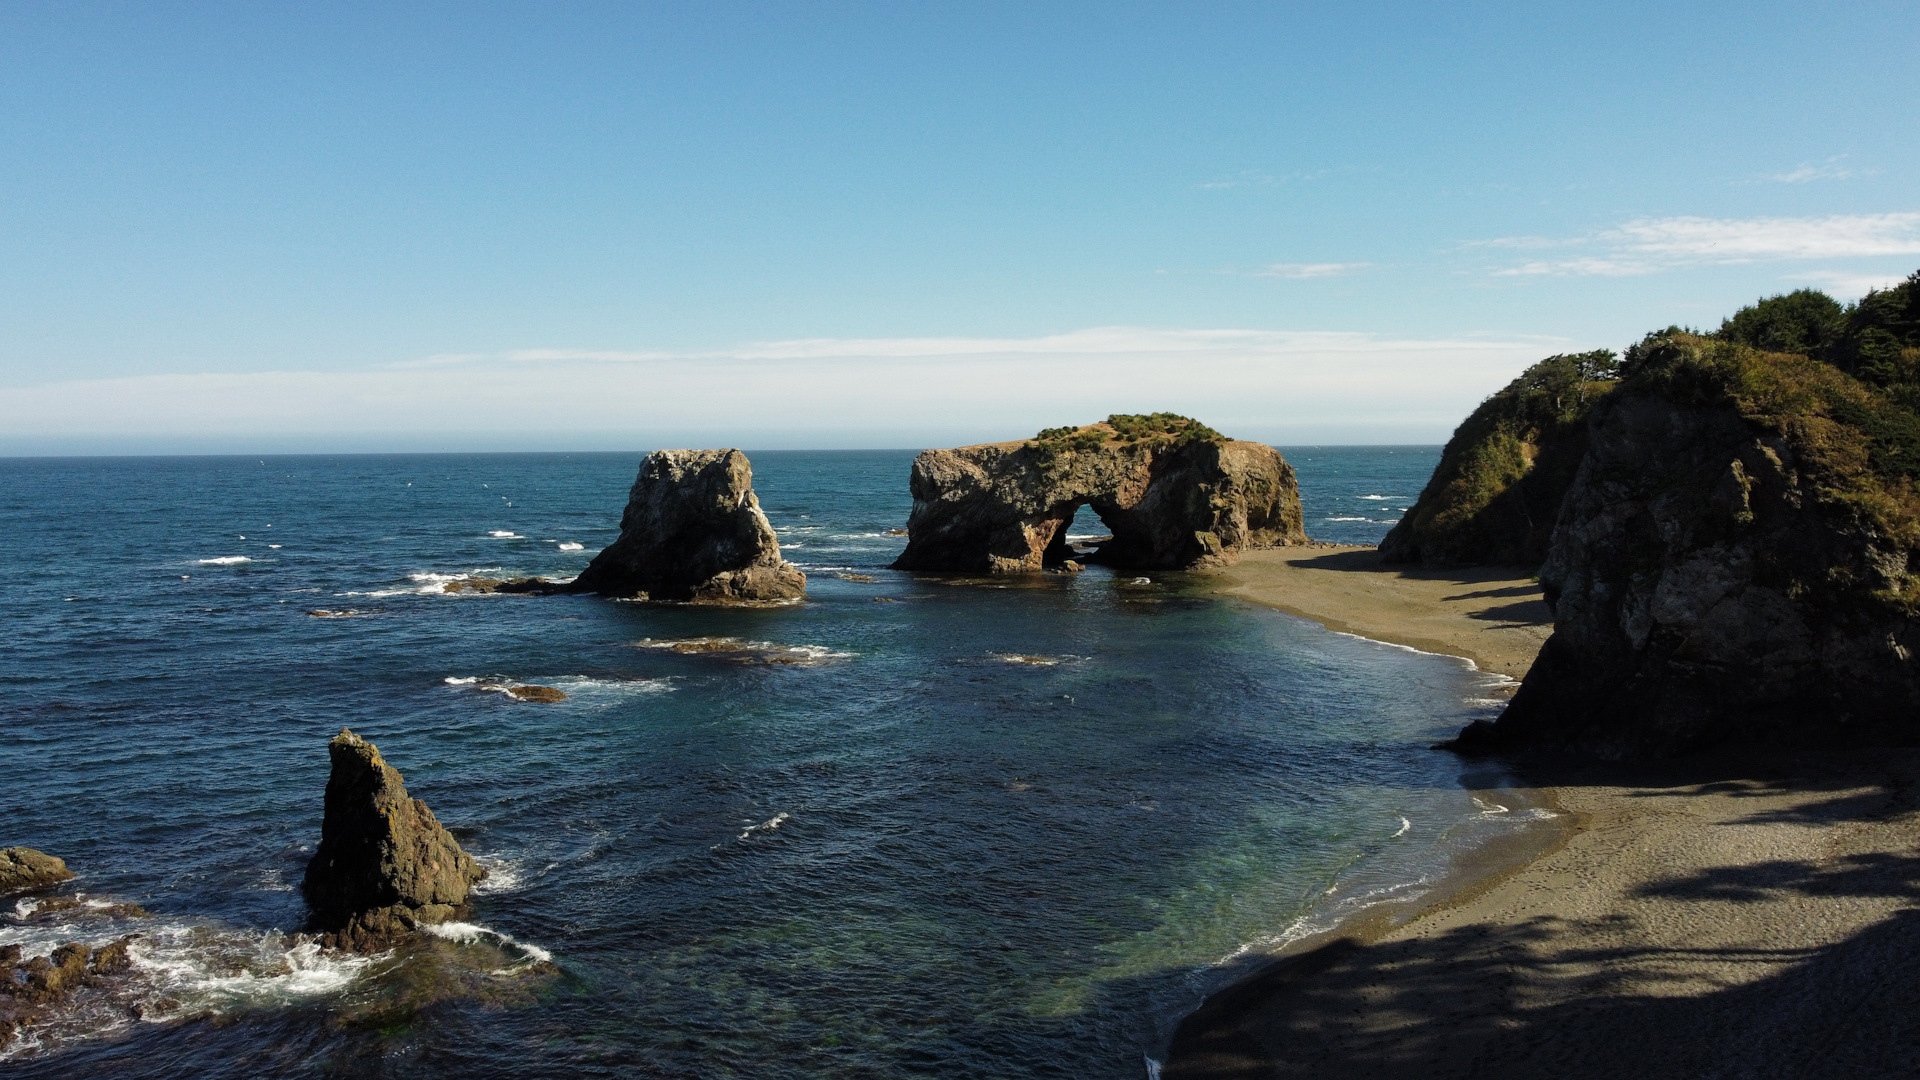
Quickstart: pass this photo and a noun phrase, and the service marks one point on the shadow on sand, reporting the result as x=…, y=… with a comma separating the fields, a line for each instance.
x=1584, y=993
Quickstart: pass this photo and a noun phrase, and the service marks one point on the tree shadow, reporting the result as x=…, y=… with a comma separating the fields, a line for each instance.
x=1368, y=561
x=1572, y=995
x=1524, y=614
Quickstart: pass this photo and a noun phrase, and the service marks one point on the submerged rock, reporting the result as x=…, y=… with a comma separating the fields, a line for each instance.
x=693, y=531
x=384, y=864
x=1175, y=494
x=537, y=586
x=1734, y=564
x=24, y=868
x=1496, y=492
x=539, y=694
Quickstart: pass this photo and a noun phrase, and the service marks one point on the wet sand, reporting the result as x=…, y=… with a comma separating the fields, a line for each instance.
x=1751, y=917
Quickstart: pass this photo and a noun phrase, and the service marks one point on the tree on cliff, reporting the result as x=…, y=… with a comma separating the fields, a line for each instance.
x=1803, y=321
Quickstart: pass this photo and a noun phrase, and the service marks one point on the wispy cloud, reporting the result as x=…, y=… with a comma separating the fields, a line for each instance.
x=1243, y=178
x=1304, y=271
x=1651, y=245
x=1806, y=173
x=827, y=391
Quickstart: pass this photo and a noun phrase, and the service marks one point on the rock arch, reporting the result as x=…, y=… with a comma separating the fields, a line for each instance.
x=1175, y=494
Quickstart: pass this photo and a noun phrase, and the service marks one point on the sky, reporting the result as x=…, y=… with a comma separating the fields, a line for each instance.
x=479, y=226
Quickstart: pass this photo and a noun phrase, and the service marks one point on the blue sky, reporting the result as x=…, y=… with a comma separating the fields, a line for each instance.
x=261, y=227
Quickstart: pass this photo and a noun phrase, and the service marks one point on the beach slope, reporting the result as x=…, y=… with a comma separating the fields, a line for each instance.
x=1752, y=919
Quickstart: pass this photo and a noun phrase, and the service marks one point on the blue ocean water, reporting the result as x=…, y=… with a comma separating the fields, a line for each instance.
x=917, y=827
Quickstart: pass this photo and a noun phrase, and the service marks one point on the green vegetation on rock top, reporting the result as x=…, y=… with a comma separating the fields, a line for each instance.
x=1161, y=428
x=1496, y=492
x=1856, y=440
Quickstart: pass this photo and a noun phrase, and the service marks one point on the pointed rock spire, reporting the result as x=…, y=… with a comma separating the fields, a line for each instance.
x=384, y=864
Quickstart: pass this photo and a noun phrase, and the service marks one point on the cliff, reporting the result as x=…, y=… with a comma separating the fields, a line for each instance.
x=384, y=863
x=693, y=531
x=1734, y=563
x=1494, y=496
x=1174, y=493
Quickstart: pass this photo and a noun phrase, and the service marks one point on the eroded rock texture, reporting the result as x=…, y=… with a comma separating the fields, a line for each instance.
x=1174, y=494
x=384, y=864
x=693, y=531
x=24, y=868
x=1734, y=564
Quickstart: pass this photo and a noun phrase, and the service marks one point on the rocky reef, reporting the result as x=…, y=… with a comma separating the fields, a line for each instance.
x=24, y=868
x=1494, y=497
x=385, y=865
x=1735, y=561
x=693, y=532
x=1174, y=493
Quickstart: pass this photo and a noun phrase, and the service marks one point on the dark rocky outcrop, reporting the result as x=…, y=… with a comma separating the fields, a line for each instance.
x=1496, y=493
x=24, y=868
x=693, y=531
x=27, y=989
x=384, y=864
x=1174, y=493
x=1735, y=563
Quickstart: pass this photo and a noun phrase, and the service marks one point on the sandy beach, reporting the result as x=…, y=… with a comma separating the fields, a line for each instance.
x=1734, y=917
x=1492, y=616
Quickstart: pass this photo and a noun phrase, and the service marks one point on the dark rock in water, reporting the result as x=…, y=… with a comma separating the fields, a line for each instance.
x=536, y=586
x=24, y=868
x=1735, y=564
x=112, y=958
x=1496, y=493
x=541, y=694
x=1175, y=494
x=693, y=531
x=384, y=864
x=46, y=979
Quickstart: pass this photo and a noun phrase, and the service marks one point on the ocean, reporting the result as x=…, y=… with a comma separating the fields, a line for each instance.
x=910, y=827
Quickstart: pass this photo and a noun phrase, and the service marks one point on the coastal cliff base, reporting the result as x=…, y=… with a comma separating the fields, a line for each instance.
x=1723, y=921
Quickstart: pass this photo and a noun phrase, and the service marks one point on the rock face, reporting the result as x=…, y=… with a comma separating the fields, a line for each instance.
x=1174, y=493
x=1734, y=564
x=24, y=868
x=1496, y=493
x=693, y=531
x=384, y=863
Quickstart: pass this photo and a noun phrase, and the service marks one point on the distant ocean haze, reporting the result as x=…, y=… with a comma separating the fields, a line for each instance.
x=995, y=828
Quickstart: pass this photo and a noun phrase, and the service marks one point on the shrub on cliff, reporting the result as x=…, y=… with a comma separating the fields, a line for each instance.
x=1497, y=490
x=1803, y=321
x=1159, y=429
x=1855, y=442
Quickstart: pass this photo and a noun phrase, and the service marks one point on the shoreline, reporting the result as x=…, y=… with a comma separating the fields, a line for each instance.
x=1493, y=616
x=1725, y=916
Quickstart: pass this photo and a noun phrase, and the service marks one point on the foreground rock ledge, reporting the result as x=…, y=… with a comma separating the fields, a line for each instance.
x=384, y=865
x=1174, y=493
x=23, y=868
x=693, y=532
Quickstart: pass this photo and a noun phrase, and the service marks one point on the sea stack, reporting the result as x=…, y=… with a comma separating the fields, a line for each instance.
x=1735, y=564
x=694, y=532
x=23, y=868
x=1175, y=493
x=384, y=865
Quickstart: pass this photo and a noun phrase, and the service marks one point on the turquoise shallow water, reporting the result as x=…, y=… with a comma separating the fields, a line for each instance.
x=968, y=831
